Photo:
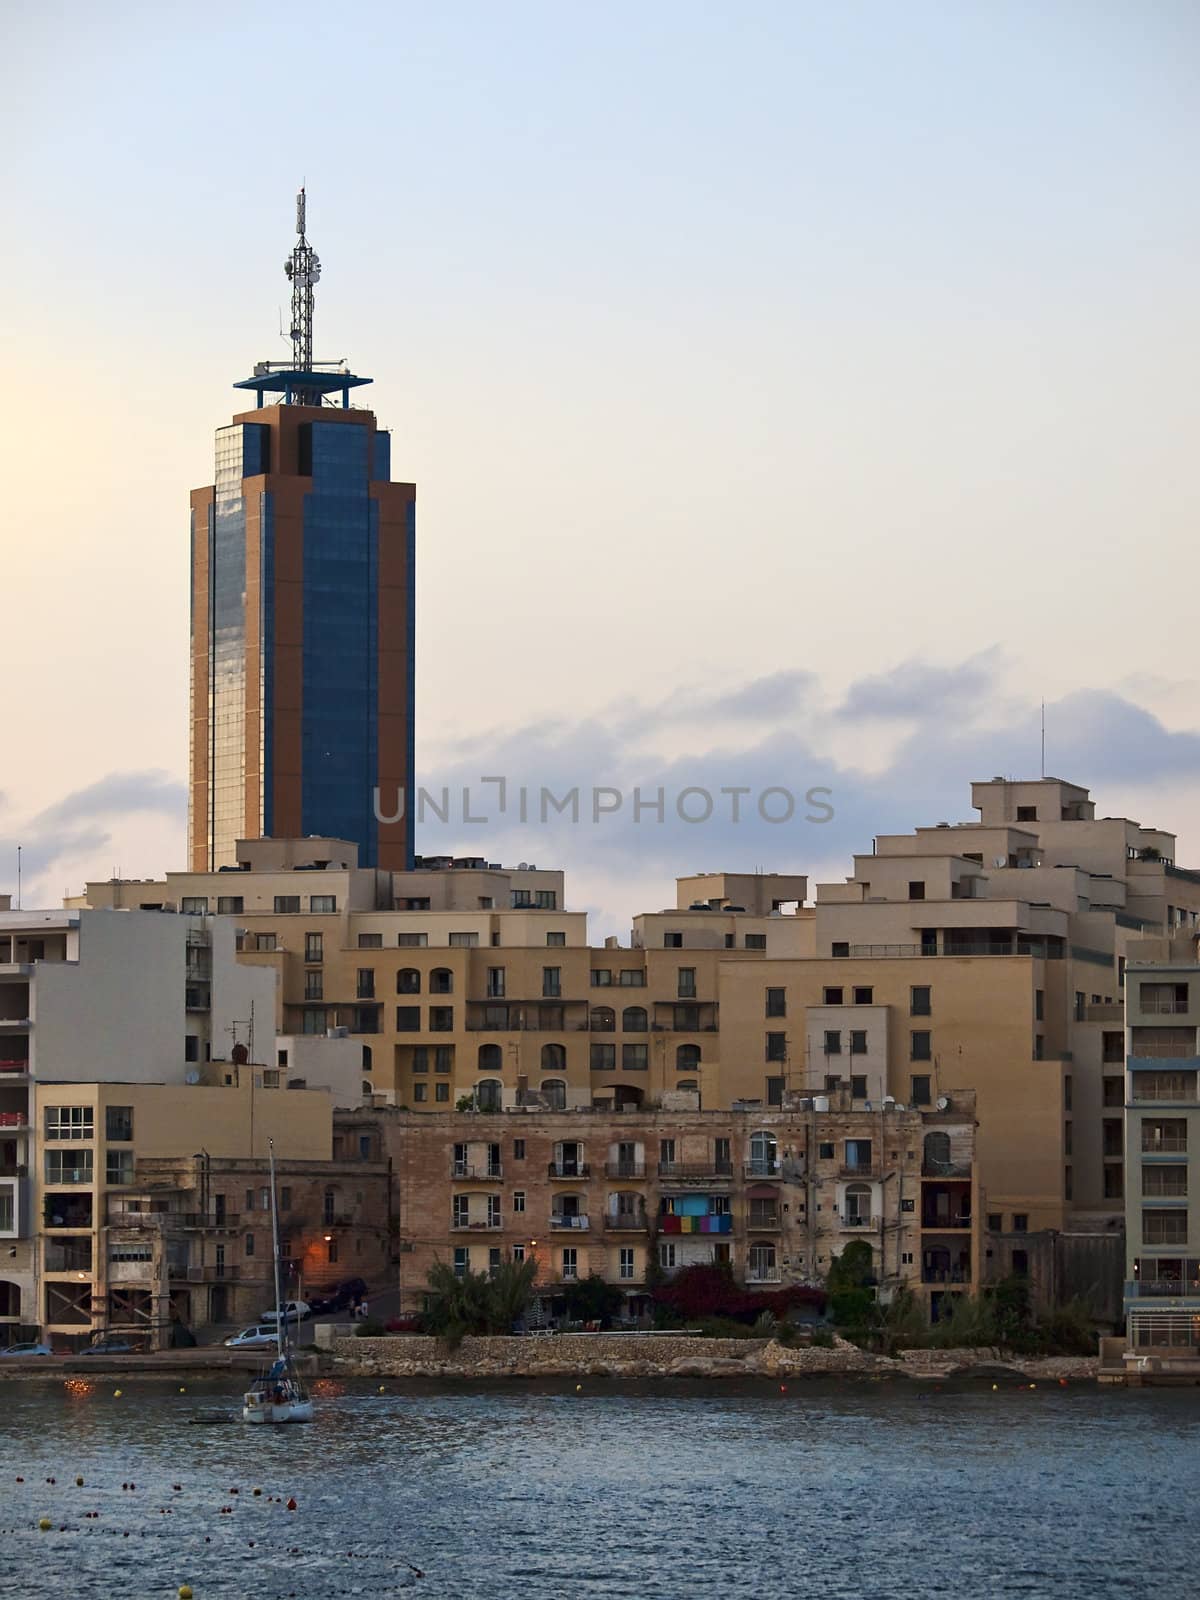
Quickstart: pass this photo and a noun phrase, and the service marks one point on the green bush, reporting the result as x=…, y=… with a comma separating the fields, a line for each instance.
x=822, y=1338
x=478, y=1302
x=370, y=1328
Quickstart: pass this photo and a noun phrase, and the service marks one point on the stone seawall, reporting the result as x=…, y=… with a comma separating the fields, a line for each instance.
x=642, y=1355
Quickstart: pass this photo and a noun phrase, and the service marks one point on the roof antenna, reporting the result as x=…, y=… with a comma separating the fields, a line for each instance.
x=303, y=268
x=1043, y=738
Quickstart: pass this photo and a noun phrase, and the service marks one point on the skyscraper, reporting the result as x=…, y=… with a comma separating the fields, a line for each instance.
x=302, y=620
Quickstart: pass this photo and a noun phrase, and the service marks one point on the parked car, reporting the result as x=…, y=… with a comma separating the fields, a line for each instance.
x=31, y=1349
x=110, y=1347
x=293, y=1311
x=258, y=1335
x=349, y=1292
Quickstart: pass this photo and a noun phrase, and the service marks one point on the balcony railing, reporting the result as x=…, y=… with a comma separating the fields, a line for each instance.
x=762, y=1169
x=1140, y=1090
x=13, y=1169
x=569, y=1169
x=1161, y=1288
x=14, y=1119
x=201, y=1219
x=763, y=1275
x=864, y=1170
x=468, y=1169
x=626, y=1222
x=764, y=1222
x=1163, y=1006
x=625, y=1169
x=945, y=1275
x=490, y=1226
x=1174, y=1144
x=945, y=1169
x=561, y=1220
x=856, y=1219
x=694, y=1171
x=951, y=1224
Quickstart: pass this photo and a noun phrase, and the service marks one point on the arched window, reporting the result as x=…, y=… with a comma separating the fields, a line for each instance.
x=367, y=1089
x=604, y=1019
x=764, y=1155
x=10, y=1299
x=857, y=1213
x=762, y=1268
x=688, y=1083
x=489, y=1094
x=554, y=1091
x=633, y=1019
x=490, y=1059
x=441, y=981
x=329, y=1206
x=937, y=1151
x=687, y=1058
x=408, y=981
x=554, y=1058
x=366, y=1058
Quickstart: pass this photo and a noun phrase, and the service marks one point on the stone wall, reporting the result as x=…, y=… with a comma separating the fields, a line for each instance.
x=633, y=1355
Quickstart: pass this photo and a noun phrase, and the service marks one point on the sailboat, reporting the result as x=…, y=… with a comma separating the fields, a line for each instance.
x=279, y=1394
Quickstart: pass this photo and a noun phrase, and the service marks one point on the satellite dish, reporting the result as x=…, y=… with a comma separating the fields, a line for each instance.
x=192, y=1077
x=943, y=1103
x=999, y=861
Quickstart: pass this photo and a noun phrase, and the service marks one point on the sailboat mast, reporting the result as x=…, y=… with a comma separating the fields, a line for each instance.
x=280, y=1319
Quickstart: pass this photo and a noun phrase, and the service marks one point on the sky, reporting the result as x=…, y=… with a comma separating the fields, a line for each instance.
x=796, y=394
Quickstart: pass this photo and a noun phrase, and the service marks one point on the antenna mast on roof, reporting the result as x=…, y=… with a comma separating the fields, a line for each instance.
x=1043, y=738
x=303, y=268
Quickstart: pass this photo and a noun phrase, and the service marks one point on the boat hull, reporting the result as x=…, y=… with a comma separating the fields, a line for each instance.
x=271, y=1412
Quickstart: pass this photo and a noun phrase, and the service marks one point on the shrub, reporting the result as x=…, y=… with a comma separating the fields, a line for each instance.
x=478, y=1302
x=695, y=1293
x=370, y=1328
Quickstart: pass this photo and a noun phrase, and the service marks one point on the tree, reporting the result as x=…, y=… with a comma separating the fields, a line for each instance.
x=850, y=1282
x=591, y=1299
x=477, y=1302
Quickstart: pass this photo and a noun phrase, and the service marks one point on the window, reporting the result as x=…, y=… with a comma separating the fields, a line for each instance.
x=634, y=1057
x=777, y=1002
x=858, y=1088
x=441, y=981
x=518, y=1201
x=919, y=1089
x=756, y=941
x=666, y=1153
x=248, y=1247
x=762, y=1263
x=1020, y=1263
x=443, y=1056
x=518, y=1149
x=285, y=1198
x=489, y=1094
x=556, y=938
x=920, y=1048
x=420, y=1058
x=666, y=1256
x=919, y=1000
x=570, y=1262
x=1068, y=1139
x=1039, y=1005
x=494, y=1259
x=864, y=996
x=420, y=1093
x=287, y=903
x=322, y=903
x=554, y=1092
x=518, y=1252
x=366, y=983
x=118, y=1124
x=230, y=905
x=995, y=1221
x=858, y=1153
x=441, y=1091
x=118, y=1167
x=603, y=1057
x=249, y=1200
x=314, y=986
x=1080, y=1005
x=672, y=941
x=462, y=1261
x=370, y=941
x=634, y=1019
x=1020, y=1222
x=1113, y=1048
x=1114, y=1091
x=1026, y=813
x=916, y=890
x=632, y=978
x=840, y=948
x=832, y=996
x=687, y=1058
x=441, y=1019
x=464, y=941
x=1039, y=1047
x=833, y=1042
x=687, y=983
x=261, y=942
x=193, y=904
x=551, y=983
x=764, y=1152
x=625, y=1267
x=412, y=941
x=408, y=1019
x=601, y=978
x=858, y=1042
x=777, y=1047
x=775, y=1088
x=1164, y=1227
x=825, y=1152
x=68, y=1166
x=1114, y=1181
x=1067, y=1092
x=70, y=1122
x=545, y=899
x=408, y=981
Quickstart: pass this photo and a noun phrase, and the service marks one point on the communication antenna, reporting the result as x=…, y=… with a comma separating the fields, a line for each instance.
x=303, y=269
x=1043, y=738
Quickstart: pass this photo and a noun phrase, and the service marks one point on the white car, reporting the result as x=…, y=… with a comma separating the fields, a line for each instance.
x=257, y=1337
x=293, y=1311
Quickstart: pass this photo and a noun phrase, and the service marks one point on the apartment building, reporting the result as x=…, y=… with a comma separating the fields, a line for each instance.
x=1162, y=1133
x=773, y=1193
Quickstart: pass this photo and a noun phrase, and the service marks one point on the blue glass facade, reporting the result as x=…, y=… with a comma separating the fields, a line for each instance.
x=381, y=464
x=340, y=662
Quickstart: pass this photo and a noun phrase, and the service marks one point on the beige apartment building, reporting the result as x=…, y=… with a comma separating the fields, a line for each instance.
x=636, y=1196
x=985, y=956
x=1162, y=1135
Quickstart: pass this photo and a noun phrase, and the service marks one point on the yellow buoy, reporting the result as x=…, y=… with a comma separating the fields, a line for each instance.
x=578, y=1388
x=116, y=1394
x=45, y=1524
x=995, y=1386
x=185, y=1591
x=182, y=1390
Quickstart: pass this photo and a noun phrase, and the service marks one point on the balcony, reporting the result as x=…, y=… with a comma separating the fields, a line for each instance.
x=1163, y=1288
x=569, y=1169
x=1172, y=1144
x=948, y=1222
x=72, y=1255
x=708, y=1222
x=763, y=1275
x=13, y=1169
x=857, y=1219
x=214, y=1272
x=626, y=1222
x=864, y=1171
x=492, y=1225
x=625, y=1169
x=762, y=1169
x=1162, y=1006
x=946, y=1169
x=764, y=1222
x=561, y=1220
x=936, y=1275
x=489, y=1172
x=14, y=1119
x=67, y=1211
x=1142, y=1093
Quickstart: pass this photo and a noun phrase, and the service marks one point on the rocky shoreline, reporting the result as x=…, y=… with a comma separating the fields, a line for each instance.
x=681, y=1356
